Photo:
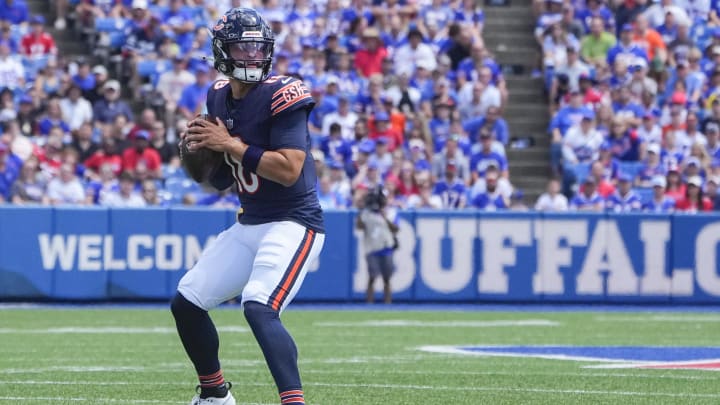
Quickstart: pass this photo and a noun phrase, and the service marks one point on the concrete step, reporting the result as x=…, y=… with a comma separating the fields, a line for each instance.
x=520, y=127
x=508, y=23
x=516, y=12
x=532, y=154
x=41, y=7
x=498, y=40
x=527, y=110
x=523, y=82
x=530, y=181
x=516, y=55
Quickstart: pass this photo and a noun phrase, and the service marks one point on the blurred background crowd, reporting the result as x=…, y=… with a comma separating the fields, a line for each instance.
x=408, y=97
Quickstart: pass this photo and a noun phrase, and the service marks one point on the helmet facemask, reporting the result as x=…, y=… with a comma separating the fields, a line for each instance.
x=248, y=60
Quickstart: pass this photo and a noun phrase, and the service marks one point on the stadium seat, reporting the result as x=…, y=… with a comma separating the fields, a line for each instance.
x=645, y=194
x=630, y=168
x=179, y=187
x=110, y=24
x=581, y=170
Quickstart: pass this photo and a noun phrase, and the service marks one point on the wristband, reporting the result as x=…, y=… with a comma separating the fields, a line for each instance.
x=251, y=158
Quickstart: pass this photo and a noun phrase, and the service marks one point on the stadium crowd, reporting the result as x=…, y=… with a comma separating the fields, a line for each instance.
x=634, y=90
x=408, y=96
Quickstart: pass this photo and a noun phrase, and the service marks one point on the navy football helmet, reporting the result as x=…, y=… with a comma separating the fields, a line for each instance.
x=243, y=45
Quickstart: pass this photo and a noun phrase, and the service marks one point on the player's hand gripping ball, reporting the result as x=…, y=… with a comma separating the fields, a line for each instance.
x=200, y=164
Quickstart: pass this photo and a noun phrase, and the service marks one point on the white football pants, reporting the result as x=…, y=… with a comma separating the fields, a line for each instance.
x=265, y=263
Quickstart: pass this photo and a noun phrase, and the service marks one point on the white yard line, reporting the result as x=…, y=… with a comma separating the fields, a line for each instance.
x=659, y=318
x=382, y=386
x=408, y=323
x=105, y=400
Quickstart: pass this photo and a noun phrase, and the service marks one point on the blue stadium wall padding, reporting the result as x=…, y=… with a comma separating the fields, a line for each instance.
x=84, y=232
x=454, y=256
x=23, y=272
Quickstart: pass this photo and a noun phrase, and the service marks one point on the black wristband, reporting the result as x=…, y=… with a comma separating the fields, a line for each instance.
x=251, y=158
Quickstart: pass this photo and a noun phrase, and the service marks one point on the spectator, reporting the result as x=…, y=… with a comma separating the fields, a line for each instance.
x=414, y=53
x=552, y=200
x=491, y=199
x=672, y=154
x=50, y=155
x=493, y=121
x=711, y=191
x=624, y=199
x=125, y=196
x=694, y=201
x=626, y=51
x=158, y=141
x=382, y=156
x=150, y=193
x=656, y=13
x=450, y=188
x=587, y=199
x=480, y=161
x=109, y=107
x=675, y=188
x=27, y=116
x=171, y=85
x=84, y=79
x=53, y=119
x=141, y=152
x=640, y=83
x=383, y=129
x=339, y=184
x=100, y=74
x=335, y=147
x=328, y=198
x=692, y=131
x=595, y=46
x=660, y=202
x=516, y=202
x=482, y=93
x=30, y=187
x=344, y=117
x=368, y=60
x=600, y=178
x=193, y=96
x=66, y=188
x=651, y=168
x=425, y=197
x=626, y=109
x=712, y=133
x=14, y=11
x=682, y=43
x=625, y=144
x=38, y=43
x=568, y=116
x=12, y=72
x=649, y=130
x=83, y=143
x=691, y=83
x=75, y=109
x=627, y=11
x=582, y=142
x=407, y=184
x=106, y=181
x=9, y=172
x=107, y=155
x=451, y=153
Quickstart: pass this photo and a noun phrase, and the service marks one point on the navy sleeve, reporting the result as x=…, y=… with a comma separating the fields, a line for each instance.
x=289, y=131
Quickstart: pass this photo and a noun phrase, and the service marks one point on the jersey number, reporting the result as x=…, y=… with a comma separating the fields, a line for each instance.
x=247, y=182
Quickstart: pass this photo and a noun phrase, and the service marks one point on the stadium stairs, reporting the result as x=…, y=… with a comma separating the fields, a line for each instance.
x=508, y=34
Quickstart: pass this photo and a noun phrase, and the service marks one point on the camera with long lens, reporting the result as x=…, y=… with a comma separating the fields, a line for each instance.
x=375, y=200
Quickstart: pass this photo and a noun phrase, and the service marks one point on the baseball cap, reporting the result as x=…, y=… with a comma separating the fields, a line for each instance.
x=694, y=181
x=517, y=194
x=625, y=177
x=659, y=181
x=627, y=27
x=26, y=99
x=588, y=115
x=112, y=84
x=143, y=4
x=381, y=116
x=275, y=16
x=99, y=70
x=692, y=160
x=416, y=144
x=202, y=68
x=383, y=140
x=713, y=179
x=424, y=64
x=712, y=127
x=589, y=180
x=678, y=98
x=334, y=164
x=37, y=19
x=372, y=164
x=654, y=148
x=142, y=134
x=371, y=32
x=367, y=146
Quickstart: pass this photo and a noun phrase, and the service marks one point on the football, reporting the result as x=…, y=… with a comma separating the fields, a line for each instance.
x=202, y=163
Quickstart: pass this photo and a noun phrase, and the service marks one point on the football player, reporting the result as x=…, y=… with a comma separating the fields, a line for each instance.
x=262, y=132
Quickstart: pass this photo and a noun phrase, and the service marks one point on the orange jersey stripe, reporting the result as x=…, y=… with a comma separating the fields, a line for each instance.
x=282, y=89
x=295, y=267
x=295, y=400
x=291, y=103
x=292, y=392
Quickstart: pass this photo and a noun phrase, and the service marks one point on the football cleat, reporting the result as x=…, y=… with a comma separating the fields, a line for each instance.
x=228, y=399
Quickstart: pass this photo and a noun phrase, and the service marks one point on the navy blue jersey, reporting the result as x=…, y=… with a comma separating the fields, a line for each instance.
x=272, y=116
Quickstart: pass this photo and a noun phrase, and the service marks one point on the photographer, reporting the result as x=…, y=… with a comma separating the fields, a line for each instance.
x=376, y=221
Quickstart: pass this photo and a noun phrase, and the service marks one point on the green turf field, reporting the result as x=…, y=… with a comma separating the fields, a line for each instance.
x=132, y=356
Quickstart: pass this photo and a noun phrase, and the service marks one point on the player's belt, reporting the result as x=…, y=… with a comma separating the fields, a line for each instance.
x=239, y=213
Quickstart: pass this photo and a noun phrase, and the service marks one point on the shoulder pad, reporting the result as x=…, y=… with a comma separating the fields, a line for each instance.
x=288, y=93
